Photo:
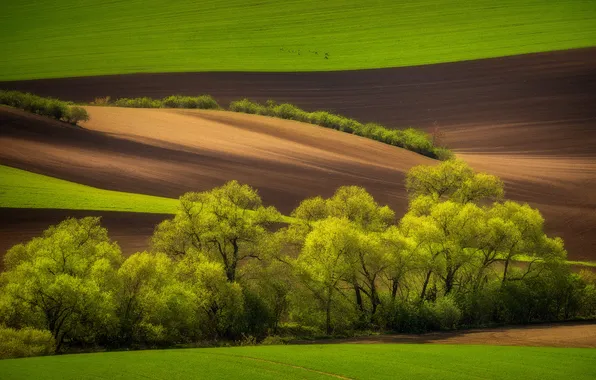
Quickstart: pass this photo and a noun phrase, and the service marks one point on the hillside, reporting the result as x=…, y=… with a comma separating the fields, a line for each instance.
x=529, y=119
x=70, y=38
x=169, y=152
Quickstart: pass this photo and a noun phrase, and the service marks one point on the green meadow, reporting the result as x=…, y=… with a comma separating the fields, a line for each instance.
x=23, y=189
x=345, y=361
x=67, y=38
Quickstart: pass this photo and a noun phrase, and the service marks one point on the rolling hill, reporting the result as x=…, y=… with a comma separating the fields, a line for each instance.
x=70, y=38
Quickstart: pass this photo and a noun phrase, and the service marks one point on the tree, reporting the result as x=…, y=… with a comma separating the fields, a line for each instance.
x=402, y=257
x=453, y=180
x=323, y=262
x=154, y=306
x=524, y=237
x=63, y=282
x=228, y=224
x=219, y=303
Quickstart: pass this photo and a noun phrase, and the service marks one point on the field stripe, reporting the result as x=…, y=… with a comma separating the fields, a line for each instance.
x=286, y=364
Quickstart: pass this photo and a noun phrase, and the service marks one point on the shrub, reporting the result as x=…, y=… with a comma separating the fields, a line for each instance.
x=54, y=108
x=75, y=114
x=144, y=102
x=246, y=106
x=200, y=102
x=446, y=313
x=25, y=342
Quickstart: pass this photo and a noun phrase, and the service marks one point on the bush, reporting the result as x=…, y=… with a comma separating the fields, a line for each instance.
x=144, y=102
x=246, y=106
x=75, y=114
x=446, y=313
x=54, y=108
x=25, y=342
x=200, y=102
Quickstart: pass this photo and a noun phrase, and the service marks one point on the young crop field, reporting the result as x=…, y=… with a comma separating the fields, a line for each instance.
x=68, y=38
x=23, y=189
x=345, y=361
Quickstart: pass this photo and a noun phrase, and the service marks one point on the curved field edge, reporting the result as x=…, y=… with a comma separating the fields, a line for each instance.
x=152, y=36
x=347, y=361
x=23, y=189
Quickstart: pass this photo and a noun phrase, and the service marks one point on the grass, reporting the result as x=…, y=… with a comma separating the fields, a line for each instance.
x=66, y=38
x=23, y=189
x=353, y=361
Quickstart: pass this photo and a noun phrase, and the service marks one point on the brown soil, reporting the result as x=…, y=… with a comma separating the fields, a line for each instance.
x=547, y=335
x=169, y=152
x=530, y=119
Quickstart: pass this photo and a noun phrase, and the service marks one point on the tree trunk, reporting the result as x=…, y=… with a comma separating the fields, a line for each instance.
x=505, y=271
x=394, y=286
x=425, y=285
x=358, y=296
x=449, y=282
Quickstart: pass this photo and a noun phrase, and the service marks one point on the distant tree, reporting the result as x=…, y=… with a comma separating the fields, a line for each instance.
x=63, y=281
x=229, y=224
x=455, y=227
x=453, y=180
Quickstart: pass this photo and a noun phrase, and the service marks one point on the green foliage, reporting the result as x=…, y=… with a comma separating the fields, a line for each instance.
x=25, y=342
x=173, y=101
x=228, y=223
x=49, y=107
x=410, y=138
x=307, y=36
x=453, y=180
x=48, y=192
x=201, y=102
x=63, y=282
x=144, y=102
x=219, y=272
x=75, y=114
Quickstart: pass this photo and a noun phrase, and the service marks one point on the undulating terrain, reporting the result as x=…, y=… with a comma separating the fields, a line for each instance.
x=509, y=87
x=528, y=119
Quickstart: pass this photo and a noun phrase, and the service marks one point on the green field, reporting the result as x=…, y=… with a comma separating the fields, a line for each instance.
x=67, y=38
x=352, y=361
x=23, y=189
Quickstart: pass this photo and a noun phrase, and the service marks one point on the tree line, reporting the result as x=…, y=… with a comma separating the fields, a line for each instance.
x=54, y=108
x=223, y=270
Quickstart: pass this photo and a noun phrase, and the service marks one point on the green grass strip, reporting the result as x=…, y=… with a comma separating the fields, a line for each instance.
x=332, y=361
x=23, y=189
x=67, y=38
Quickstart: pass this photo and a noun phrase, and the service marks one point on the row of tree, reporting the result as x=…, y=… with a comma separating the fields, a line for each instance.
x=220, y=269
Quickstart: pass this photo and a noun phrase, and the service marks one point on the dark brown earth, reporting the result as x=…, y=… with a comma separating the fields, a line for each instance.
x=530, y=119
x=169, y=152
x=544, y=335
x=555, y=90
x=131, y=230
